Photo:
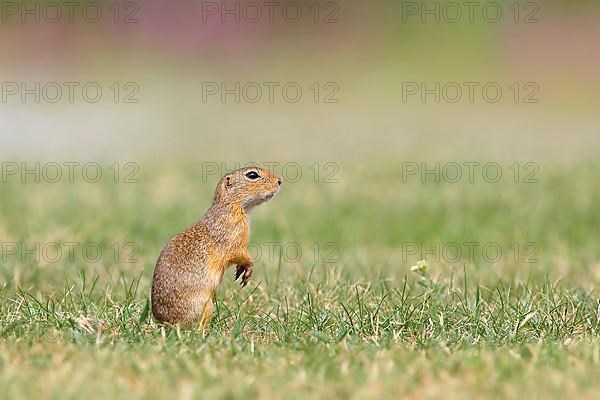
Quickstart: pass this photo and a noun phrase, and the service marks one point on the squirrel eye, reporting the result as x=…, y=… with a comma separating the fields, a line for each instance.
x=252, y=175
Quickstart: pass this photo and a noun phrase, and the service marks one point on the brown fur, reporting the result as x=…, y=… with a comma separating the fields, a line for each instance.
x=191, y=266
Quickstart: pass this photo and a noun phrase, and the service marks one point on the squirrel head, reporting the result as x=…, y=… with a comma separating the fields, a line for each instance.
x=247, y=187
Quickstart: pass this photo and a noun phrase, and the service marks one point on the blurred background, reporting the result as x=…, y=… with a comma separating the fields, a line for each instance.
x=348, y=91
x=161, y=66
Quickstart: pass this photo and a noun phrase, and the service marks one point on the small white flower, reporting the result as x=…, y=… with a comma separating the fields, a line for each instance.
x=421, y=266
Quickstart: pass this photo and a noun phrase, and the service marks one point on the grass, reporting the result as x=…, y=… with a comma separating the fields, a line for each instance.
x=346, y=318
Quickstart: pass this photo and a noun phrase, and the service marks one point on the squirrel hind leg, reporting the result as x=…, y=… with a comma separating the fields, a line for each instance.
x=206, y=316
x=206, y=311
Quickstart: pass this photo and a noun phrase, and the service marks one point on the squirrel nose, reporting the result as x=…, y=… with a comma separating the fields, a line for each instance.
x=279, y=182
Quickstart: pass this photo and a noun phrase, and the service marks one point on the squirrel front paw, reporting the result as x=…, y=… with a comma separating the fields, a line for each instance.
x=245, y=271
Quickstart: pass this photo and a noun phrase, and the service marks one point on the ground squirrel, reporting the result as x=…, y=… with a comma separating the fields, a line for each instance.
x=191, y=266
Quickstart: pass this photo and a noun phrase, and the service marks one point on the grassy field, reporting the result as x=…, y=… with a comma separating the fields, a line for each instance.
x=334, y=308
x=371, y=281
